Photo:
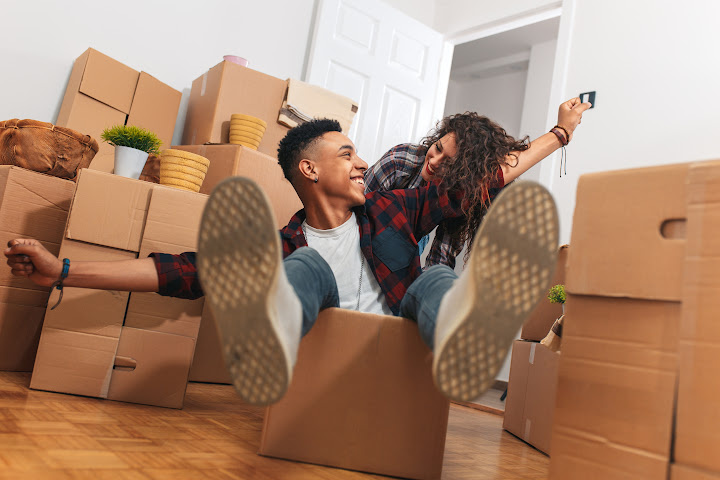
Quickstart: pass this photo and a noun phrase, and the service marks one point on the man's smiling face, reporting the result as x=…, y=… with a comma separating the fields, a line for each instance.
x=340, y=171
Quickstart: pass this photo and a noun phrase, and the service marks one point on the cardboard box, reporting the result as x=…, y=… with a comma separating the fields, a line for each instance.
x=130, y=347
x=682, y=472
x=227, y=161
x=155, y=107
x=362, y=398
x=697, y=439
x=32, y=205
x=618, y=369
x=530, y=399
x=102, y=92
x=541, y=320
x=229, y=88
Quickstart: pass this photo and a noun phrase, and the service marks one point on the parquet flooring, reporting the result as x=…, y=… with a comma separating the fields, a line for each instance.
x=54, y=436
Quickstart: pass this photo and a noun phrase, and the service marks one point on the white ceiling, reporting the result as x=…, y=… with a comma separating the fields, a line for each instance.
x=501, y=53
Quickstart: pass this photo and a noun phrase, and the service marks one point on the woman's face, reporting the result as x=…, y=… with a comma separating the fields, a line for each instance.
x=438, y=152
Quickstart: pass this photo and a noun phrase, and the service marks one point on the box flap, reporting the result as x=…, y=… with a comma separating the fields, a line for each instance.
x=151, y=368
x=108, y=80
x=618, y=248
x=85, y=310
x=72, y=362
x=109, y=210
x=172, y=226
x=155, y=107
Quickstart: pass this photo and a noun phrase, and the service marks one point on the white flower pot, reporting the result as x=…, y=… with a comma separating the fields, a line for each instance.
x=129, y=162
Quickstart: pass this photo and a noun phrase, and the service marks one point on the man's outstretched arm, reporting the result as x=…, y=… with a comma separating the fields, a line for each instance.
x=28, y=258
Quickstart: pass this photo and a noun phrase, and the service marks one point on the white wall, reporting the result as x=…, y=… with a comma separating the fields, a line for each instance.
x=174, y=41
x=498, y=97
x=421, y=10
x=537, y=96
x=655, y=68
x=452, y=16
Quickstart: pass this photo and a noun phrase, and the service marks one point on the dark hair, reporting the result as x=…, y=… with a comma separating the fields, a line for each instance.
x=483, y=147
x=299, y=139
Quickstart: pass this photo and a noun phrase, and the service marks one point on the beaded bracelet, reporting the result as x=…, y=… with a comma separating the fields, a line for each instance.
x=59, y=283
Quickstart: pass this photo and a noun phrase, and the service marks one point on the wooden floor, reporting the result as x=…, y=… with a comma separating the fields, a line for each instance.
x=54, y=436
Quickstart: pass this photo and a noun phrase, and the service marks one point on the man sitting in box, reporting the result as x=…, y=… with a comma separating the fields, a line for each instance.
x=363, y=255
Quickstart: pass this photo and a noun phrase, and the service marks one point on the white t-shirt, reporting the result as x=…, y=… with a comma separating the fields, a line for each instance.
x=340, y=247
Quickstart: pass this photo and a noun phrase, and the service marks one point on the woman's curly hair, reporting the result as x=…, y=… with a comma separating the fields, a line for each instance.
x=483, y=147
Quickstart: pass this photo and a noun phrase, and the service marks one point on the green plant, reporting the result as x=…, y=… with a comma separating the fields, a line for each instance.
x=557, y=294
x=133, y=137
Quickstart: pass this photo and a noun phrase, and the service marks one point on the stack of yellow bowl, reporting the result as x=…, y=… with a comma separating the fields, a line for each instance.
x=183, y=170
x=246, y=130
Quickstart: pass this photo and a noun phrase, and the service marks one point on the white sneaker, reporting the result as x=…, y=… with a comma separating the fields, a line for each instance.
x=258, y=314
x=511, y=265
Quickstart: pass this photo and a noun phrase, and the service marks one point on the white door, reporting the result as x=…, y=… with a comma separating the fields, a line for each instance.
x=383, y=59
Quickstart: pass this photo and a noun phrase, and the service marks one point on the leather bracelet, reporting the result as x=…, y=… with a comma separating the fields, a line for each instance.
x=567, y=135
x=563, y=140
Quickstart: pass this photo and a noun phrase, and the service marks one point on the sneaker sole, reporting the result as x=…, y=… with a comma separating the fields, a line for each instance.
x=238, y=260
x=512, y=262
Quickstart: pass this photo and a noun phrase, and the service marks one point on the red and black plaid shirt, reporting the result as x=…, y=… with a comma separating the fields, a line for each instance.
x=397, y=218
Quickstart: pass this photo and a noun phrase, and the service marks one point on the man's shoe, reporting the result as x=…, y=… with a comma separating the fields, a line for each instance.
x=256, y=310
x=510, y=268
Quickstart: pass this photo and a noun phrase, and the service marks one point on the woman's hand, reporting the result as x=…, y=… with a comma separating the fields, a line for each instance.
x=570, y=114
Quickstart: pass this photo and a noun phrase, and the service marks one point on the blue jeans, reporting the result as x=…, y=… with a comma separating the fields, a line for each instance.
x=315, y=286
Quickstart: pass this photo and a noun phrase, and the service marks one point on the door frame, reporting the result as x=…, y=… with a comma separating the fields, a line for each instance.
x=563, y=9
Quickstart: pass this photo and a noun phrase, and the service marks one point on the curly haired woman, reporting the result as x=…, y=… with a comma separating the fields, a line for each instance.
x=470, y=152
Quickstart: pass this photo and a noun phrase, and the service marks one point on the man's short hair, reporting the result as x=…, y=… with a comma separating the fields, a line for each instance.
x=293, y=147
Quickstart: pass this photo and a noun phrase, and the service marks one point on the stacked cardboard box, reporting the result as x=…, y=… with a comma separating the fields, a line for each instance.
x=32, y=205
x=103, y=92
x=229, y=88
x=618, y=369
x=132, y=347
x=697, y=436
x=362, y=398
x=530, y=400
x=227, y=161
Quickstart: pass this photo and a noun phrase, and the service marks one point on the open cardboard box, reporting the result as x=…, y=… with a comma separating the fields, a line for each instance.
x=131, y=347
x=32, y=205
x=362, y=398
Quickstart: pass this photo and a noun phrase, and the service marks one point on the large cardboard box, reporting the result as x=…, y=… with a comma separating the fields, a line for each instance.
x=697, y=441
x=229, y=88
x=530, y=399
x=541, y=320
x=102, y=92
x=131, y=347
x=362, y=398
x=618, y=369
x=227, y=161
x=32, y=205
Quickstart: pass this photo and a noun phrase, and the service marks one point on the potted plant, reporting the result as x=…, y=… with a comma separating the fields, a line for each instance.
x=132, y=145
x=554, y=337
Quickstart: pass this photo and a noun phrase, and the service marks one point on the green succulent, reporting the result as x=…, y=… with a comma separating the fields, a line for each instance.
x=133, y=137
x=557, y=294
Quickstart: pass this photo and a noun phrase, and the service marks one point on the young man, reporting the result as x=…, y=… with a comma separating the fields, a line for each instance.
x=363, y=254
x=464, y=151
